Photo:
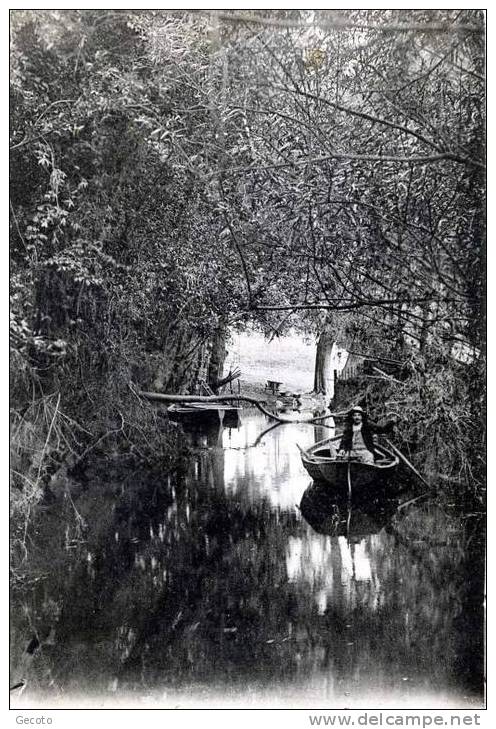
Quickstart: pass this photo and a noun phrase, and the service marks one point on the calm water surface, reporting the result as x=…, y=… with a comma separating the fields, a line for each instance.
x=238, y=582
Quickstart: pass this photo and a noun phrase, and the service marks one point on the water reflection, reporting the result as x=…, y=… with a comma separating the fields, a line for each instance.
x=257, y=460
x=337, y=564
x=214, y=581
x=328, y=515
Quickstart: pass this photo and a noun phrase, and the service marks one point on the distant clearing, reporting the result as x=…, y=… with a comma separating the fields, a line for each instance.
x=287, y=359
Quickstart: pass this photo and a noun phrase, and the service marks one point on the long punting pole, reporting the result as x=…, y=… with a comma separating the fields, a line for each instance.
x=406, y=462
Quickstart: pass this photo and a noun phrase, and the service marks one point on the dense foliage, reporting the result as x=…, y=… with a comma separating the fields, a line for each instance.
x=174, y=174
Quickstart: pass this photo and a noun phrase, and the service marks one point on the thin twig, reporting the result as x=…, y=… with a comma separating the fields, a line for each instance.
x=47, y=439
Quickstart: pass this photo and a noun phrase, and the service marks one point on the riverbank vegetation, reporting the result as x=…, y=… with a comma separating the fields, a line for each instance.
x=178, y=174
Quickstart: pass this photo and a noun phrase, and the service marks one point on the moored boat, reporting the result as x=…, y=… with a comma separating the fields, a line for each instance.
x=340, y=473
x=204, y=412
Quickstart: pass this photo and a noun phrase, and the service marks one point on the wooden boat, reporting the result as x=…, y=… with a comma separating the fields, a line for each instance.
x=364, y=477
x=201, y=412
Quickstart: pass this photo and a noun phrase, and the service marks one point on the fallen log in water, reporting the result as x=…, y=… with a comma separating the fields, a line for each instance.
x=170, y=398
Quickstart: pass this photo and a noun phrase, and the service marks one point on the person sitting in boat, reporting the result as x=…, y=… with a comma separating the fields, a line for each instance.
x=357, y=442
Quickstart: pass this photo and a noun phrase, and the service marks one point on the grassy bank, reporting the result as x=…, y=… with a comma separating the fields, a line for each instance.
x=289, y=359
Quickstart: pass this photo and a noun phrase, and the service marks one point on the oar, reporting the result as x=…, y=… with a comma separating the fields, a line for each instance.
x=406, y=462
x=305, y=453
x=302, y=451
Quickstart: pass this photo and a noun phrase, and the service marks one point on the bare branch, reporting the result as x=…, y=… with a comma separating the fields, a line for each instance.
x=360, y=303
x=416, y=160
x=362, y=115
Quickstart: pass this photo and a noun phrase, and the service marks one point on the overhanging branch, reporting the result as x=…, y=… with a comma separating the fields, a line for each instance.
x=415, y=160
x=352, y=305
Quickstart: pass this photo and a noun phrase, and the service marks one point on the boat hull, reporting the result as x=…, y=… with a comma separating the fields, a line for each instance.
x=365, y=479
x=226, y=414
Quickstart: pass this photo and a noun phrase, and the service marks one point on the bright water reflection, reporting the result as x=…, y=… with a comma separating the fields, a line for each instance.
x=272, y=470
x=240, y=581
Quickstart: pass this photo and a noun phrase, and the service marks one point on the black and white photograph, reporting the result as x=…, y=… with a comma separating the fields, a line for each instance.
x=248, y=361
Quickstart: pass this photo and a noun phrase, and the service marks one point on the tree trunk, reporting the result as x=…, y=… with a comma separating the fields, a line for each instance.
x=188, y=358
x=217, y=357
x=324, y=373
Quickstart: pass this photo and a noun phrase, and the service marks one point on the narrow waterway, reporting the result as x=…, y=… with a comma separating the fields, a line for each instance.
x=238, y=582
